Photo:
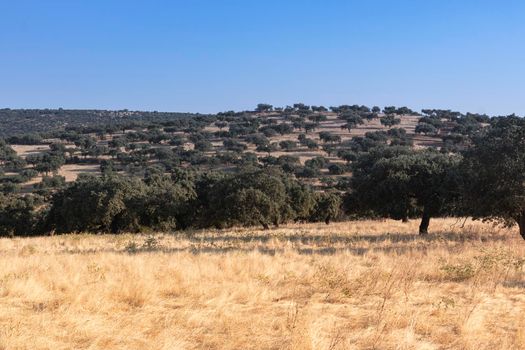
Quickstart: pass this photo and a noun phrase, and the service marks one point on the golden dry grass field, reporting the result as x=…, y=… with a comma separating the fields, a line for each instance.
x=352, y=285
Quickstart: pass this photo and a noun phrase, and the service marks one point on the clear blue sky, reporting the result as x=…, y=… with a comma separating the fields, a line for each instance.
x=214, y=55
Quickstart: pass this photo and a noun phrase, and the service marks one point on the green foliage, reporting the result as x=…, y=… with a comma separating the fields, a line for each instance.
x=148, y=149
x=54, y=181
x=398, y=182
x=494, y=171
x=389, y=120
x=327, y=207
x=97, y=204
x=326, y=136
x=336, y=169
x=263, y=107
x=17, y=215
x=425, y=128
x=288, y=145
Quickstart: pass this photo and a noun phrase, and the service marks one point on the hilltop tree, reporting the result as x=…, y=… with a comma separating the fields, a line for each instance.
x=352, y=121
x=263, y=107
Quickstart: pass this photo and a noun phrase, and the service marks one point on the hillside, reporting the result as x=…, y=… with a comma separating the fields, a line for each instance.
x=129, y=142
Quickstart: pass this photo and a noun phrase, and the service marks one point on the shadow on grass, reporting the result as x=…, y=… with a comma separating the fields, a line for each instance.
x=398, y=244
x=350, y=239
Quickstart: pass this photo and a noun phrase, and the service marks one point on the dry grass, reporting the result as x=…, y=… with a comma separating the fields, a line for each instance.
x=25, y=150
x=354, y=285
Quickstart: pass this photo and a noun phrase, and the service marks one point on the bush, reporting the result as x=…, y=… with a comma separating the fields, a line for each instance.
x=336, y=169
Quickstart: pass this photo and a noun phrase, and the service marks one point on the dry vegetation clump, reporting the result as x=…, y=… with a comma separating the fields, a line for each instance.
x=352, y=285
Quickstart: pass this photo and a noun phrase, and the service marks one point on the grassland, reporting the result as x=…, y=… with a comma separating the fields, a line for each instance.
x=353, y=285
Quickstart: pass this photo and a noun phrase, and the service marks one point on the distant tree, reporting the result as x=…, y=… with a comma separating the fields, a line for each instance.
x=26, y=139
x=263, y=107
x=203, y=146
x=352, y=121
x=317, y=118
x=46, y=162
x=107, y=167
x=319, y=109
x=55, y=181
x=307, y=172
x=424, y=128
x=269, y=148
x=336, y=169
x=434, y=121
x=288, y=145
x=316, y=162
x=327, y=136
x=221, y=124
x=329, y=149
x=347, y=155
x=301, y=107
x=389, y=120
x=233, y=145
x=310, y=127
x=311, y=144
x=257, y=139
x=298, y=124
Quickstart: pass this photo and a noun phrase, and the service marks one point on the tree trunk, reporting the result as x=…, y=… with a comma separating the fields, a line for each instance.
x=264, y=225
x=425, y=221
x=327, y=220
x=521, y=224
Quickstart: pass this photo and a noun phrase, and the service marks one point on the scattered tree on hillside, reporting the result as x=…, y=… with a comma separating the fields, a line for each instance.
x=389, y=120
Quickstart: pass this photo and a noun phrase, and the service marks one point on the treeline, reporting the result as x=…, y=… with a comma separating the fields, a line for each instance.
x=45, y=122
x=182, y=200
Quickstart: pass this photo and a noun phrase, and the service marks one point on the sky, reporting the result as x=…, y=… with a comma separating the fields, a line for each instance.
x=216, y=55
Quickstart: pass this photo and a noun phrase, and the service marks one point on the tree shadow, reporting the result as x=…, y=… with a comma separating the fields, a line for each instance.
x=350, y=244
x=350, y=239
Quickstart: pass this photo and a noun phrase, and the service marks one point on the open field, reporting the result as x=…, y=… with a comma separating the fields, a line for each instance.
x=353, y=285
